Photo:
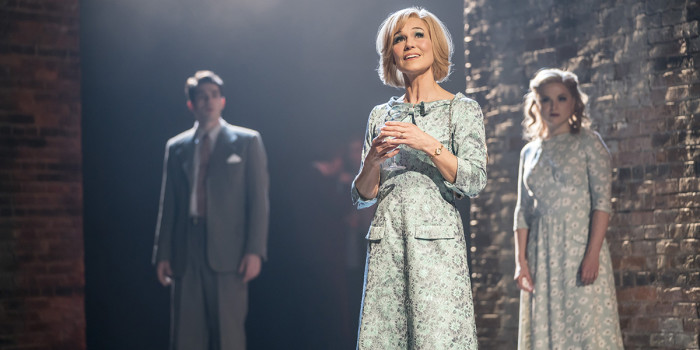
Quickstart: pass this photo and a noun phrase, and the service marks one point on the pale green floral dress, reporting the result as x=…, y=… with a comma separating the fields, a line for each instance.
x=561, y=181
x=417, y=292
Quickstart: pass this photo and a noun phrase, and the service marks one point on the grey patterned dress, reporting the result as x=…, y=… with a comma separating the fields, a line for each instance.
x=561, y=181
x=417, y=292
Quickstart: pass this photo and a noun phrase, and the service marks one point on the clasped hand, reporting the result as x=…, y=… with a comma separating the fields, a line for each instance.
x=393, y=134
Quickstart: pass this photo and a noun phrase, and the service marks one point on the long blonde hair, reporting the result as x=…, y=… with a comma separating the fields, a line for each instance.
x=533, y=126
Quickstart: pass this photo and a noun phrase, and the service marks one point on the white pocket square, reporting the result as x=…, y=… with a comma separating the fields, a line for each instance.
x=234, y=158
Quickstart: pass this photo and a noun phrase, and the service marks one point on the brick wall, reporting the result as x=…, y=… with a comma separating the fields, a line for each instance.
x=41, y=238
x=638, y=62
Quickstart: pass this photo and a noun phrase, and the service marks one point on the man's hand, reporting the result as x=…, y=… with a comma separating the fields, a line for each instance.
x=165, y=273
x=250, y=267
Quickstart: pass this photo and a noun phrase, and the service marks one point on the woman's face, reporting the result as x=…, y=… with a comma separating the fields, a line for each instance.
x=412, y=48
x=555, y=105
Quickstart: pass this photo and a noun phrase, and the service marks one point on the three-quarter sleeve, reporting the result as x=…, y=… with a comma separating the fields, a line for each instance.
x=469, y=146
x=599, y=172
x=522, y=207
x=357, y=199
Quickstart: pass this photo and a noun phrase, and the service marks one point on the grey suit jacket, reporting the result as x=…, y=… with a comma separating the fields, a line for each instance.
x=237, y=200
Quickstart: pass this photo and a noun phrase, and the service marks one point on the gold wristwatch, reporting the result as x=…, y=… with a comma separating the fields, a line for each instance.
x=437, y=152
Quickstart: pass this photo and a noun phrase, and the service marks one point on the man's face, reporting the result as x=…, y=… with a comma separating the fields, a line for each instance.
x=208, y=103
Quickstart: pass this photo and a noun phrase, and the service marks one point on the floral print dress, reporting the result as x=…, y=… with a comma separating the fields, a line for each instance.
x=561, y=181
x=417, y=291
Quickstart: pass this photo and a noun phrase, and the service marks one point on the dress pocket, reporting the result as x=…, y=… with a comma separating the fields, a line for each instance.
x=436, y=232
x=375, y=233
x=580, y=237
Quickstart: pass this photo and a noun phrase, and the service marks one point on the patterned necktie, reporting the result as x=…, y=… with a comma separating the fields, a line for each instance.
x=204, y=151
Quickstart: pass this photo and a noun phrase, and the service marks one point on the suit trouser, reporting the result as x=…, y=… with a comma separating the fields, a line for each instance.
x=208, y=307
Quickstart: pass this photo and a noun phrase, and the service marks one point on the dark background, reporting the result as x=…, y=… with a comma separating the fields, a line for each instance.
x=301, y=72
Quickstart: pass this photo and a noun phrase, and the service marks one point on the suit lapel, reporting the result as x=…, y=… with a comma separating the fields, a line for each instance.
x=225, y=145
x=187, y=157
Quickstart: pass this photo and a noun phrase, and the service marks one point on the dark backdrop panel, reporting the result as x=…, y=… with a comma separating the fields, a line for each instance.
x=301, y=72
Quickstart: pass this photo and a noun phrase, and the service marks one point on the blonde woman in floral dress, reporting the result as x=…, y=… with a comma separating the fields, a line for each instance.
x=563, y=268
x=417, y=292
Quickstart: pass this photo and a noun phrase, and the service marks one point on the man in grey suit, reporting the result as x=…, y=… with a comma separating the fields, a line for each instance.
x=212, y=223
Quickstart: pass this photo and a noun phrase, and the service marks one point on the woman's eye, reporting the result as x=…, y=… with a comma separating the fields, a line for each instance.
x=544, y=100
x=419, y=34
x=562, y=99
x=399, y=39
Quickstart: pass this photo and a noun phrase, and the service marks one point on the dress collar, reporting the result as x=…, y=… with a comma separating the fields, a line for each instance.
x=396, y=103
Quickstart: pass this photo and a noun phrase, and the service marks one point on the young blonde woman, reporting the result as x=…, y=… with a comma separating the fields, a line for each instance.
x=563, y=267
x=417, y=291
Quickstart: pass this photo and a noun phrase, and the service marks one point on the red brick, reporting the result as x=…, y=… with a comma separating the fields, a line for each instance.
x=667, y=246
x=689, y=185
x=690, y=245
x=626, y=306
x=663, y=34
x=688, y=215
x=636, y=144
x=684, y=231
x=692, y=294
x=686, y=310
x=686, y=340
x=643, y=248
x=672, y=17
x=689, y=200
x=686, y=30
x=634, y=338
x=665, y=262
x=638, y=293
x=633, y=263
x=687, y=108
x=666, y=216
x=643, y=324
x=626, y=322
x=672, y=294
x=672, y=324
x=661, y=339
x=667, y=186
x=34, y=201
x=661, y=308
x=637, y=218
x=666, y=201
x=691, y=325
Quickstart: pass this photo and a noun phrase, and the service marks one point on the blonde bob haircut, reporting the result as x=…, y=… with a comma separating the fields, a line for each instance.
x=533, y=126
x=438, y=33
